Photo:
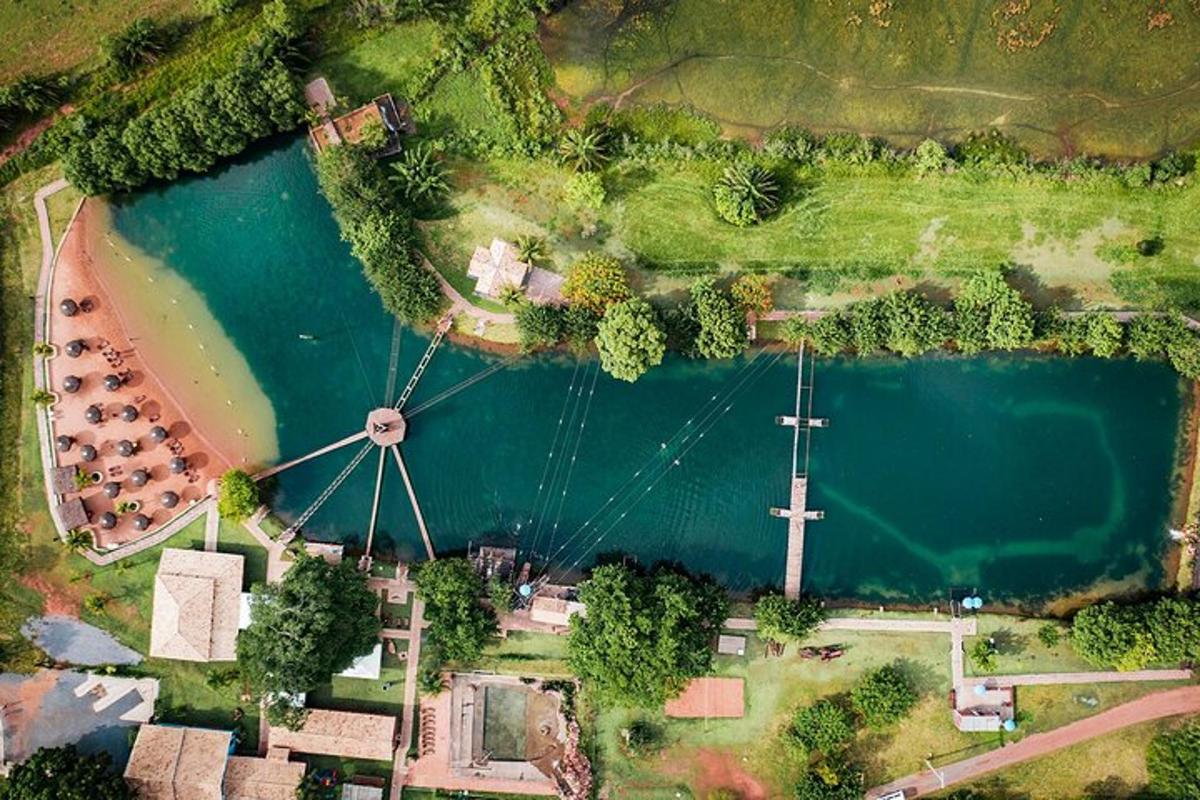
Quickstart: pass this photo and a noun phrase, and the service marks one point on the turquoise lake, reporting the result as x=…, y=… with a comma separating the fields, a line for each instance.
x=1025, y=477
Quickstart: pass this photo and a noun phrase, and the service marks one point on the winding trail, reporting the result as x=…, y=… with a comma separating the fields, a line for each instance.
x=1159, y=705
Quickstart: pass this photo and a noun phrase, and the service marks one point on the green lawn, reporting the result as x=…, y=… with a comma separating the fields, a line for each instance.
x=1112, y=767
x=349, y=767
x=843, y=231
x=1102, y=81
x=380, y=60
x=522, y=653
x=359, y=694
x=43, y=36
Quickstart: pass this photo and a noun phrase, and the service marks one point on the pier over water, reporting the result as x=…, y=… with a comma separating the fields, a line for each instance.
x=798, y=513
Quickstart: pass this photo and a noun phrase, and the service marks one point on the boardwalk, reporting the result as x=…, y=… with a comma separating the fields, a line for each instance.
x=794, y=569
x=412, y=495
x=1055, y=678
x=1151, y=707
x=329, y=448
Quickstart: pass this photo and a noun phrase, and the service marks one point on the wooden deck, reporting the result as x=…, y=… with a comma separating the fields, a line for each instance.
x=795, y=545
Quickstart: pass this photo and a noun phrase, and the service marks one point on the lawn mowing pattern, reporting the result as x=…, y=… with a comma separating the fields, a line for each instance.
x=842, y=229
x=1102, y=82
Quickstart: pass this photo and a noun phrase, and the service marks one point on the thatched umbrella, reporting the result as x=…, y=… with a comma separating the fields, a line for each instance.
x=68, y=307
x=168, y=499
x=63, y=443
x=158, y=434
x=125, y=448
x=112, y=382
x=129, y=413
x=72, y=384
x=112, y=489
x=141, y=522
x=75, y=348
x=108, y=520
x=93, y=414
x=87, y=453
x=177, y=465
x=139, y=477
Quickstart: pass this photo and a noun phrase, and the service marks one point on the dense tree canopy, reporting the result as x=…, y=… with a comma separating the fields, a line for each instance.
x=722, y=325
x=216, y=119
x=596, y=281
x=539, y=325
x=1130, y=637
x=824, y=726
x=458, y=625
x=1173, y=761
x=644, y=636
x=239, y=496
x=782, y=620
x=630, y=339
x=830, y=779
x=991, y=315
x=62, y=773
x=883, y=696
x=306, y=628
x=379, y=228
x=752, y=292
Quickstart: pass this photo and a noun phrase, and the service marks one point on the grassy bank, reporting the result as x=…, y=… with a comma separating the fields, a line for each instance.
x=59, y=37
x=842, y=232
x=904, y=71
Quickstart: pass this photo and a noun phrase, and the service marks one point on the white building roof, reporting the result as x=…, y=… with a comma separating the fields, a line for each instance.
x=367, y=667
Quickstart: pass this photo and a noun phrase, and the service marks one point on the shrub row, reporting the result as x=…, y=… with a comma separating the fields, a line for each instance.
x=987, y=314
x=380, y=231
x=214, y=120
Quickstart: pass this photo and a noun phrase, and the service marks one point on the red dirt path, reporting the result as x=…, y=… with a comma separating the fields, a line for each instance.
x=56, y=601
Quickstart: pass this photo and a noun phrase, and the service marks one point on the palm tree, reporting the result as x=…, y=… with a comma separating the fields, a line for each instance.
x=95, y=603
x=77, y=540
x=746, y=193
x=584, y=149
x=531, y=248
x=419, y=177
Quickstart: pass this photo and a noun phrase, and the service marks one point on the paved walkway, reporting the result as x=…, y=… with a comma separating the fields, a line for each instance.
x=212, y=527
x=1055, y=678
x=407, y=722
x=1170, y=703
x=277, y=565
x=459, y=303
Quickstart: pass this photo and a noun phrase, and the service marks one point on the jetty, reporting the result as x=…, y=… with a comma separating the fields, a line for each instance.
x=801, y=421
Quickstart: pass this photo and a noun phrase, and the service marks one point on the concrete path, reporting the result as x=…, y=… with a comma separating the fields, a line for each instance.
x=407, y=722
x=1056, y=678
x=458, y=303
x=212, y=527
x=1170, y=703
x=277, y=565
x=966, y=626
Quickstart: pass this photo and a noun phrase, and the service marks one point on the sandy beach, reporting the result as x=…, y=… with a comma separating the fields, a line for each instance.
x=129, y=409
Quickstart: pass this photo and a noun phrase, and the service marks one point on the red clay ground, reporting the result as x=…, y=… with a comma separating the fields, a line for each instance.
x=707, y=770
x=111, y=352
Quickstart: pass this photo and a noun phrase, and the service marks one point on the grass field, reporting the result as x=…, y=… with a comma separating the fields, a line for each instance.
x=844, y=232
x=1111, y=767
x=1104, y=80
x=61, y=35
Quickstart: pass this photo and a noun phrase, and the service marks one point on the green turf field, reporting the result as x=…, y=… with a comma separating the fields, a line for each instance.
x=1063, y=75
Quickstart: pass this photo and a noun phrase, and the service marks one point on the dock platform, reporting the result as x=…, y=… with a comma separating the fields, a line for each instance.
x=796, y=518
